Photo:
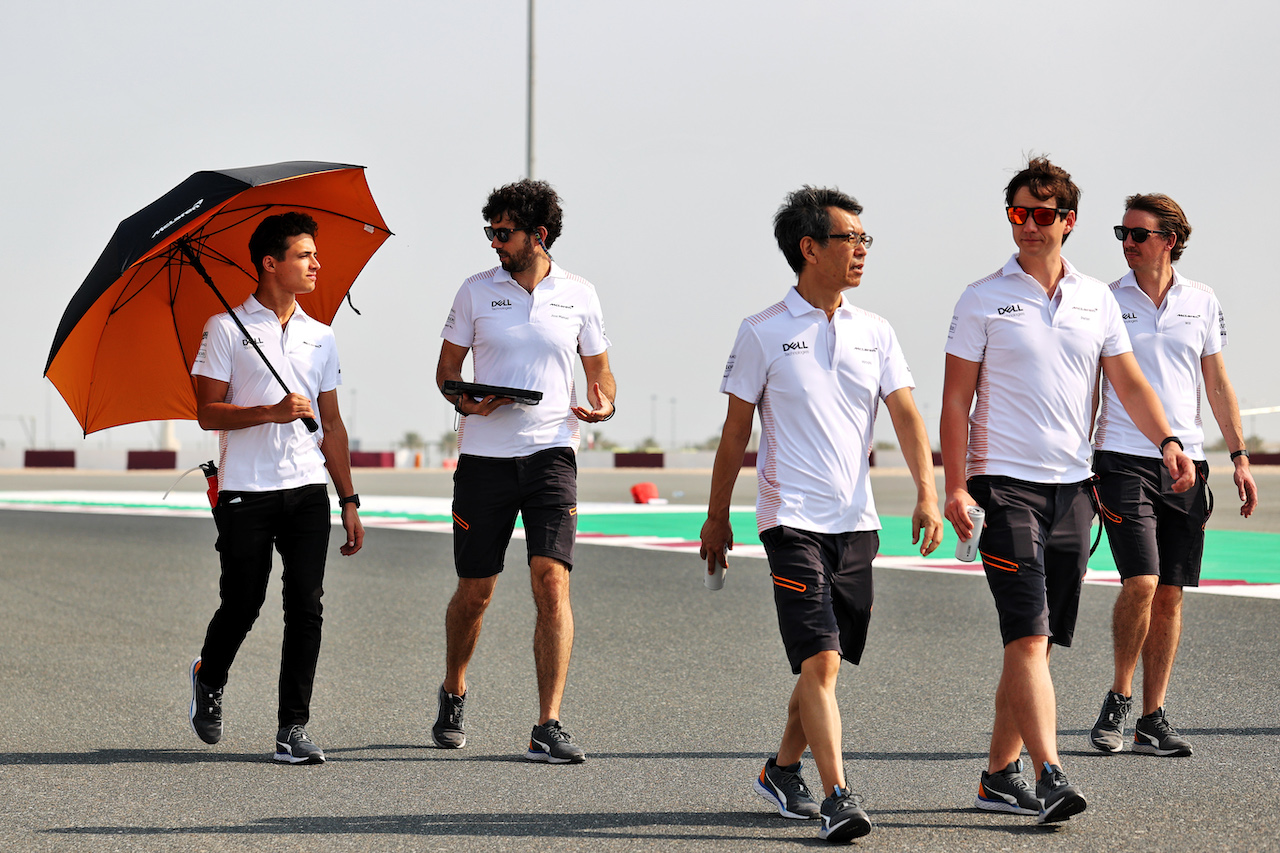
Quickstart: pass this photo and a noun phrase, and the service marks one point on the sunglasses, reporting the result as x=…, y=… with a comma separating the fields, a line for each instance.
x=502, y=235
x=1042, y=216
x=853, y=237
x=1139, y=235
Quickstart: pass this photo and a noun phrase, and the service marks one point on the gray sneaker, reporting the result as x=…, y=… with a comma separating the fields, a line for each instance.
x=1061, y=799
x=786, y=791
x=554, y=745
x=1108, y=731
x=1007, y=790
x=294, y=746
x=843, y=818
x=448, y=732
x=1152, y=735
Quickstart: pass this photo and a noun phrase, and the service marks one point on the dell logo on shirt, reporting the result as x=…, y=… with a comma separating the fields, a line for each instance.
x=795, y=345
x=500, y=303
x=1015, y=308
x=1129, y=316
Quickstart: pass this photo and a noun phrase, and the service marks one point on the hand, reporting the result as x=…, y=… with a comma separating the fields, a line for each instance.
x=1247, y=489
x=1180, y=466
x=470, y=406
x=354, y=528
x=293, y=407
x=957, y=512
x=602, y=406
x=926, y=516
x=717, y=542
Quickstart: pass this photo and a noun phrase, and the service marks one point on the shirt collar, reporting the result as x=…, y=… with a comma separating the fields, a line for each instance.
x=1013, y=268
x=251, y=306
x=799, y=306
x=556, y=272
x=1131, y=280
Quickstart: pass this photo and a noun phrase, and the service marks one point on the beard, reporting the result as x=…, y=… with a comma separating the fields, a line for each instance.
x=520, y=260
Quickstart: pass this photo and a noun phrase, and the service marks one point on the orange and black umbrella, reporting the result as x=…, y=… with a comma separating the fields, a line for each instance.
x=124, y=348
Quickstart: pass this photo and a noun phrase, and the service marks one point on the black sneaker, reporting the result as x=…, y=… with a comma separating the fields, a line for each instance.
x=294, y=746
x=1152, y=735
x=1108, y=731
x=1007, y=791
x=206, y=708
x=842, y=817
x=554, y=745
x=448, y=732
x=1061, y=799
x=786, y=791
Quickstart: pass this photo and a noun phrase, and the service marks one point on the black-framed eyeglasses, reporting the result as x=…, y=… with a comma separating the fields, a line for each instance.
x=853, y=237
x=1139, y=235
x=1042, y=216
x=502, y=235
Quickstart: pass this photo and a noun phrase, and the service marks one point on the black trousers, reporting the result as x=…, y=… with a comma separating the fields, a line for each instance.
x=296, y=522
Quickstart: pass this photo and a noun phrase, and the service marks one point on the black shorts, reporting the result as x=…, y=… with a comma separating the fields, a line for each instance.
x=1152, y=530
x=489, y=492
x=1035, y=551
x=822, y=589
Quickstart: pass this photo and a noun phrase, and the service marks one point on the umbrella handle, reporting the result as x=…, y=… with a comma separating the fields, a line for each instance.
x=310, y=424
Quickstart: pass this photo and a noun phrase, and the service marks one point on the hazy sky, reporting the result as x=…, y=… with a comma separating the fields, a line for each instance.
x=672, y=131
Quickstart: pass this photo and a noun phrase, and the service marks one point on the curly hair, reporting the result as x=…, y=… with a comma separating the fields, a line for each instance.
x=804, y=214
x=1170, y=215
x=529, y=204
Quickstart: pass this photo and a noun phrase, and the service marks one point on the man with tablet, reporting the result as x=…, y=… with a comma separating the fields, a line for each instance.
x=524, y=322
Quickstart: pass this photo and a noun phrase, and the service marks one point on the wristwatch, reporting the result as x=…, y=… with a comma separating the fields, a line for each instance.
x=1238, y=454
x=351, y=499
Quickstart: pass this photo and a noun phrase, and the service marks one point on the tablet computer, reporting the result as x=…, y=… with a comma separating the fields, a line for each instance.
x=480, y=391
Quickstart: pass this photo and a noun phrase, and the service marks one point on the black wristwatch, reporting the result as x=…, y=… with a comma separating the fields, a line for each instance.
x=350, y=499
x=1173, y=439
x=1238, y=454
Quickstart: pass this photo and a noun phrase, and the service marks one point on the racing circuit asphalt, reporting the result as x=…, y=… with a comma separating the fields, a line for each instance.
x=676, y=693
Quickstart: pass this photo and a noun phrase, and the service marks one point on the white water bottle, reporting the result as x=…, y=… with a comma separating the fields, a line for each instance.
x=714, y=580
x=967, y=549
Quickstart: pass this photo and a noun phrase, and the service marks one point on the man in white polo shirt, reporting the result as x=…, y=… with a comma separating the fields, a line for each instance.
x=817, y=368
x=1156, y=535
x=1028, y=340
x=525, y=322
x=271, y=476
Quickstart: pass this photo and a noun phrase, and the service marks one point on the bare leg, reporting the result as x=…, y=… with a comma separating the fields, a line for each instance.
x=552, y=633
x=1161, y=646
x=1130, y=621
x=1026, y=708
x=817, y=719
x=462, y=623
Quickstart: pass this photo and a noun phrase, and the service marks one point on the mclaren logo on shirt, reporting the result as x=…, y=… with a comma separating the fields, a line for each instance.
x=796, y=347
x=728, y=368
x=1015, y=308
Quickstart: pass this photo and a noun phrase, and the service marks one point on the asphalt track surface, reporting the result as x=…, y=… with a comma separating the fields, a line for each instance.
x=676, y=693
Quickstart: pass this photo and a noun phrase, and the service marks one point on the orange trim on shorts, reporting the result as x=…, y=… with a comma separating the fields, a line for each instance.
x=998, y=562
x=1109, y=515
x=785, y=583
x=457, y=519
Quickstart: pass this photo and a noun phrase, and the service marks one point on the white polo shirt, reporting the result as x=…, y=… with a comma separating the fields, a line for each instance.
x=268, y=457
x=1038, y=361
x=817, y=385
x=1168, y=342
x=525, y=340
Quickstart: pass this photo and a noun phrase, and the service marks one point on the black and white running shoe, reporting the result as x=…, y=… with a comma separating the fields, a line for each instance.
x=1152, y=735
x=294, y=746
x=206, y=708
x=554, y=745
x=1061, y=799
x=842, y=817
x=1007, y=790
x=786, y=791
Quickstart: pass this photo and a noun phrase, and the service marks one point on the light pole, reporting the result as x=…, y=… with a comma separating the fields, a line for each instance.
x=528, y=127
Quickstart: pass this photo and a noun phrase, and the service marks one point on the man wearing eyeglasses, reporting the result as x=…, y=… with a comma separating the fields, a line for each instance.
x=817, y=369
x=1027, y=340
x=1157, y=535
x=525, y=322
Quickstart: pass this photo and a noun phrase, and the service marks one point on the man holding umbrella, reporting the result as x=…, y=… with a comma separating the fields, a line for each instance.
x=271, y=489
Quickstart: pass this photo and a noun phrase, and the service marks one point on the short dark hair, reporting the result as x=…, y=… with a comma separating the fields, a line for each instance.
x=804, y=213
x=1170, y=215
x=273, y=234
x=529, y=203
x=1045, y=181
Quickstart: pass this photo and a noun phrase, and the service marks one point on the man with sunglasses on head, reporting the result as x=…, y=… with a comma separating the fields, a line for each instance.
x=1157, y=535
x=817, y=368
x=524, y=322
x=1028, y=340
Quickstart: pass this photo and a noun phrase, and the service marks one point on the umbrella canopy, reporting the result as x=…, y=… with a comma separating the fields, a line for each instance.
x=124, y=348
